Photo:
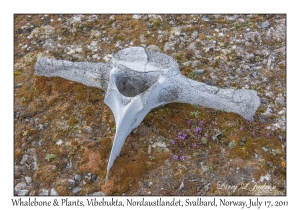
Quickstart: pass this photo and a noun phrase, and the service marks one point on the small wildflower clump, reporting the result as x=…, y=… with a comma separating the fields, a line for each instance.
x=181, y=136
x=188, y=140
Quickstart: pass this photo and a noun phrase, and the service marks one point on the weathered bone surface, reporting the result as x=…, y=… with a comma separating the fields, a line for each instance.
x=137, y=80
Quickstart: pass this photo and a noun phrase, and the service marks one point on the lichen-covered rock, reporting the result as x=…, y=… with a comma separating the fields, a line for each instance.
x=43, y=32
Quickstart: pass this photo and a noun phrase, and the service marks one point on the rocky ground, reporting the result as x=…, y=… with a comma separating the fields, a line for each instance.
x=63, y=131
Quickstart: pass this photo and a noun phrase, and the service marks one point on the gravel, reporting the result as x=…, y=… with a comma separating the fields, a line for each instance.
x=20, y=186
x=199, y=71
x=28, y=180
x=100, y=193
x=205, y=18
x=44, y=192
x=269, y=164
x=265, y=149
x=35, y=165
x=53, y=192
x=23, y=192
x=77, y=177
x=24, y=159
x=76, y=190
x=264, y=25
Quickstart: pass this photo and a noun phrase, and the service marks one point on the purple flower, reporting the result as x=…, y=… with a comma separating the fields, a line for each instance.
x=175, y=157
x=253, y=134
x=241, y=128
x=182, y=158
x=206, y=135
x=180, y=151
x=181, y=136
x=189, y=122
x=199, y=136
x=201, y=123
x=194, y=144
x=172, y=141
x=197, y=129
x=268, y=135
x=188, y=130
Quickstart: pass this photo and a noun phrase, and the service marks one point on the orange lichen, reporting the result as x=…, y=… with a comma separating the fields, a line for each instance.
x=283, y=164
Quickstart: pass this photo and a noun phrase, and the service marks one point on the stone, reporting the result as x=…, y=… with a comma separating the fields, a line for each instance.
x=160, y=144
x=136, y=16
x=243, y=141
x=35, y=165
x=24, y=159
x=153, y=48
x=241, y=20
x=205, y=19
x=77, y=177
x=53, y=192
x=37, y=121
x=43, y=32
x=42, y=127
x=28, y=180
x=94, y=177
x=100, y=193
x=215, y=137
x=44, y=192
x=88, y=129
x=262, y=120
x=23, y=192
x=264, y=25
x=59, y=142
x=137, y=80
x=41, y=142
x=199, y=71
x=225, y=51
x=76, y=190
x=181, y=37
x=71, y=182
x=269, y=164
x=20, y=186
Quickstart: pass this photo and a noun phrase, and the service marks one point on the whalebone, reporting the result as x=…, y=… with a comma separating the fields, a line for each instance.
x=137, y=80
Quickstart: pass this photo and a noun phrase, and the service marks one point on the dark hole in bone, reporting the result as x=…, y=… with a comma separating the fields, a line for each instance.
x=131, y=86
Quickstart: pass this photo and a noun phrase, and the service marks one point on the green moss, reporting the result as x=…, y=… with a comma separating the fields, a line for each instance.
x=178, y=56
x=157, y=22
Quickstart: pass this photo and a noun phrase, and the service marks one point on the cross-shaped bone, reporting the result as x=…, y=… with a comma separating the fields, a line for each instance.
x=137, y=80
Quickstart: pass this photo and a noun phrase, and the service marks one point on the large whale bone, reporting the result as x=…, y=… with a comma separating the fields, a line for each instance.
x=137, y=80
